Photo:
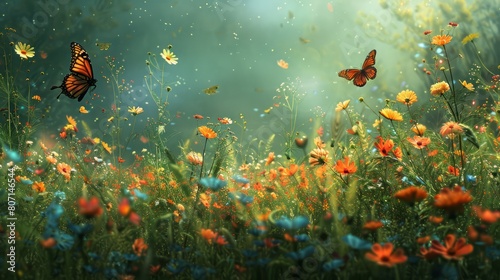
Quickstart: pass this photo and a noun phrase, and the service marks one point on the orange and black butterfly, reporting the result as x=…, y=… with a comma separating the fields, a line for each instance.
x=361, y=76
x=77, y=83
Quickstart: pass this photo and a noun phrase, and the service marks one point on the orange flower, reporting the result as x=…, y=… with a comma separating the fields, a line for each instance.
x=139, y=247
x=83, y=110
x=207, y=132
x=36, y=97
x=391, y=114
x=452, y=200
x=345, y=167
x=423, y=240
x=208, y=235
x=453, y=170
x=39, y=187
x=398, y=153
x=91, y=208
x=384, y=146
x=194, y=158
x=319, y=143
x=454, y=249
x=411, y=195
x=385, y=256
x=51, y=159
x=270, y=158
x=48, y=243
x=441, y=40
x=439, y=88
x=451, y=128
x=198, y=116
x=486, y=216
x=419, y=142
x=65, y=170
x=419, y=129
x=436, y=220
x=407, y=97
x=373, y=225
x=318, y=156
x=124, y=207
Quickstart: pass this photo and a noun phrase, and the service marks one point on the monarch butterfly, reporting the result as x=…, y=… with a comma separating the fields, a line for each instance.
x=367, y=72
x=77, y=83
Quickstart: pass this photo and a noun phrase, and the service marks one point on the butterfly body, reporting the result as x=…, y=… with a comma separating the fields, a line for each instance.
x=78, y=82
x=361, y=76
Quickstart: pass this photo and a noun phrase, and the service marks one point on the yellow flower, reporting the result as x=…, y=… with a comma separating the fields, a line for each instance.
x=106, y=147
x=83, y=110
x=441, y=40
x=407, y=97
x=470, y=38
x=24, y=50
x=468, y=86
x=207, y=132
x=440, y=88
x=135, y=110
x=342, y=105
x=169, y=57
x=419, y=129
x=391, y=114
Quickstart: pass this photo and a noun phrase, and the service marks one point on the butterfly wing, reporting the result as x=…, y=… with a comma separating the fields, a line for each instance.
x=369, y=71
x=370, y=59
x=80, y=61
x=349, y=74
x=74, y=86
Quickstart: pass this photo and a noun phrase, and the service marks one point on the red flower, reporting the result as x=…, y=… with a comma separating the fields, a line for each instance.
x=91, y=208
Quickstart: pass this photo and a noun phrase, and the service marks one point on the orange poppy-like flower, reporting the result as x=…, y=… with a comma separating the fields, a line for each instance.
x=398, y=153
x=436, y=220
x=90, y=208
x=39, y=187
x=139, y=247
x=48, y=243
x=345, y=167
x=124, y=207
x=428, y=254
x=318, y=156
x=452, y=200
x=454, y=249
x=51, y=159
x=384, y=255
x=419, y=129
x=419, y=142
x=441, y=40
x=407, y=97
x=451, y=129
x=485, y=215
x=391, y=115
x=440, y=88
x=207, y=132
x=373, y=225
x=453, y=170
x=342, y=105
x=194, y=158
x=208, y=234
x=121, y=160
x=384, y=146
x=65, y=170
x=270, y=158
x=411, y=195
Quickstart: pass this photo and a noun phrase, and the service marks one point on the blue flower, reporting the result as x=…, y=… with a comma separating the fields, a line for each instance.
x=301, y=254
x=60, y=196
x=13, y=155
x=244, y=199
x=176, y=266
x=356, y=242
x=140, y=194
x=302, y=237
x=64, y=241
x=471, y=179
x=212, y=183
x=27, y=181
x=333, y=264
x=292, y=224
x=241, y=179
